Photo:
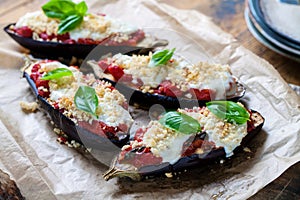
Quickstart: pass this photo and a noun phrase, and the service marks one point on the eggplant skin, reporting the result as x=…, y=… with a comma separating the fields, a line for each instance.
x=74, y=132
x=184, y=163
x=146, y=100
x=54, y=50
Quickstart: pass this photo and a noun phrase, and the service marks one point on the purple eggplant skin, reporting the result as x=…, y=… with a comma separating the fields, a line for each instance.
x=55, y=50
x=74, y=132
x=146, y=100
x=185, y=163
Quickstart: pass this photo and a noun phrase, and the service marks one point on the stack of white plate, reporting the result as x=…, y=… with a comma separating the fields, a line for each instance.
x=276, y=25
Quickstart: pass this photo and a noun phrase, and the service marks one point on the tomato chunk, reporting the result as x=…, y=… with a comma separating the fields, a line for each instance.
x=24, y=31
x=116, y=71
x=86, y=41
x=63, y=37
x=205, y=94
x=103, y=65
x=168, y=89
x=46, y=37
x=139, y=158
x=139, y=134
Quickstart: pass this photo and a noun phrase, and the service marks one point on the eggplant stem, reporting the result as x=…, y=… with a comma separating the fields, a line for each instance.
x=115, y=172
x=159, y=43
x=111, y=173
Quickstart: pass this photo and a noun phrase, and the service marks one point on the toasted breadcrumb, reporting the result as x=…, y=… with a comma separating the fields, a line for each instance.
x=169, y=175
x=246, y=149
x=29, y=106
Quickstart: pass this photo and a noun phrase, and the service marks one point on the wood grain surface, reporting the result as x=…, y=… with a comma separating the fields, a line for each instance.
x=229, y=15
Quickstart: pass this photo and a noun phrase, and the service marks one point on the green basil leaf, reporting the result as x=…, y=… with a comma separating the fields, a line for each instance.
x=86, y=99
x=69, y=13
x=70, y=23
x=57, y=73
x=81, y=8
x=59, y=9
x=161, y=57
x=230, y=111
x=180, y=122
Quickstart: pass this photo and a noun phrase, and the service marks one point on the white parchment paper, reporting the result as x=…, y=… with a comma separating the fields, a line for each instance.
x=44, y=169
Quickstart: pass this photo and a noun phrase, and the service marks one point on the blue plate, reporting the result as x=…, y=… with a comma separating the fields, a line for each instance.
x=257, y=34
x=274, y=35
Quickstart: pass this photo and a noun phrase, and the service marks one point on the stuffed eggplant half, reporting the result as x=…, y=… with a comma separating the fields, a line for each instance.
x=65, y=28
x=186, y=138
x=159, y=78
x=89, y=111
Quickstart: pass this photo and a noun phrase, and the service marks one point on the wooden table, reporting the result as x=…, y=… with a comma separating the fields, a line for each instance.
x=229, y=15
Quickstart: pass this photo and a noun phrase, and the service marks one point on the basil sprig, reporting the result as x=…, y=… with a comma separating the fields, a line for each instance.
x=161, y=57
x=86, y=99
x=69, y=13
x=57, y=73
x=180, y=122
x=230, y=111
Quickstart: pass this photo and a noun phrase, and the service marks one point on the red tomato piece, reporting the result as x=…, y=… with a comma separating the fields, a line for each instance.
x=205, y=94
x=139, y=158
x=63, y=37
x=127, y=78
x=86, y=41
x=95, y=127
x=44, y=94
x=69, y=41
x=108, y=129
x=103, y=65
x=168, y=89
x=45, y=36
x=42, y=83
x=139, y=134
x=138, y=36
x=130, y=42
x=123, y=127
x=116, y=71
x=55, y=105
x=24, y=31
x=145, y=159
x=35, y=68
x=62, y=140
x=34, y=76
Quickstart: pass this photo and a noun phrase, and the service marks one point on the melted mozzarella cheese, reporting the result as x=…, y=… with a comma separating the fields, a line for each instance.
x=55, y=95
x=100, y=27
x=164, y=142
x=173, y=153
x=137, y=66
x=114, y=114
x=118, y=26
x=48, y=66
x=230, y=141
